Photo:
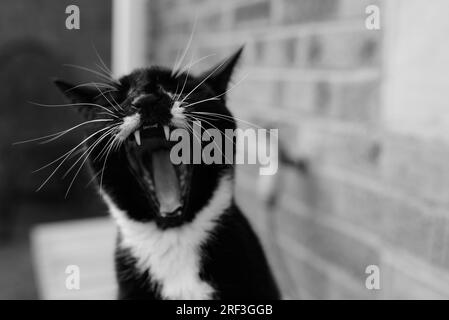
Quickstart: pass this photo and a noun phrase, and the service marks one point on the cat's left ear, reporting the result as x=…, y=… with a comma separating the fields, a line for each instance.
x=218, y=77
x=78, y=94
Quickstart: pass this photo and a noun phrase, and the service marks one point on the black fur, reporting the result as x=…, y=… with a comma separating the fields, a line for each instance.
x=232, y=259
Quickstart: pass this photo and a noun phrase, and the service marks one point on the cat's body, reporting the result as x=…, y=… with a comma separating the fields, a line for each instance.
x=216, y=257
x=180, y=233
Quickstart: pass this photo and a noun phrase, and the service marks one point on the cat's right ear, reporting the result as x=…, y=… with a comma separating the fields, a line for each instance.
x=78, y=95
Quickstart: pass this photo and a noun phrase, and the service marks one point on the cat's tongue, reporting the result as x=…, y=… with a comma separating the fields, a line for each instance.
x=166, y=183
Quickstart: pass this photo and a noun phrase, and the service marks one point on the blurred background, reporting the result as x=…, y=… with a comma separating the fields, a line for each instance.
x=362, y=117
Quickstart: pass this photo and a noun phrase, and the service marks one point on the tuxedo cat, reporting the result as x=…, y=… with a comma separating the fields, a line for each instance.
x=180, y=233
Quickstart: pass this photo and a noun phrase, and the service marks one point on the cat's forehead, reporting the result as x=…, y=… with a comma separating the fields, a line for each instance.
x=148, y=78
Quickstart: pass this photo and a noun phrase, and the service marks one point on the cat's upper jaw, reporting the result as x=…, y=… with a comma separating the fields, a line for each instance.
x=173, y=256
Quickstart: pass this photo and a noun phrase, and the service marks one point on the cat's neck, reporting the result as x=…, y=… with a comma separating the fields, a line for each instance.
x=172, y=256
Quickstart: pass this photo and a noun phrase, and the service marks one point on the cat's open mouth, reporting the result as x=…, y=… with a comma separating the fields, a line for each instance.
x=164, y=183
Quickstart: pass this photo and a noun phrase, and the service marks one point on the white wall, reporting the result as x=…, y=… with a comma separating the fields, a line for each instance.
x=416, y=68
x=129, y=35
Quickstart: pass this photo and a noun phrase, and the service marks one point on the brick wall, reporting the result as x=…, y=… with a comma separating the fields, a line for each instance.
x=376, y=190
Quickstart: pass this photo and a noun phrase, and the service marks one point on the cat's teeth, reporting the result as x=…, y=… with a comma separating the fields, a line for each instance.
x=137, y=136
x=167, y=132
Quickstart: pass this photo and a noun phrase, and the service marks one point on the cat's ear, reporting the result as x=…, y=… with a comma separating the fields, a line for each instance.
x=218, y=77
x=78, y=94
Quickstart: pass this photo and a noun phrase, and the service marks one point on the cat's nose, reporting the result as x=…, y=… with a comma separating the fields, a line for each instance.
x=155, y=109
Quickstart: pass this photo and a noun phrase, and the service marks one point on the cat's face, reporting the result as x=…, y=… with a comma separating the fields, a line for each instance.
x=129, y=142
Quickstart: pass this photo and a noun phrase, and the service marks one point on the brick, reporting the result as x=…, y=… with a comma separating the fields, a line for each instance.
x=321, y=280
x=355, y=151
x=254, y=12
x=393, y=222
x=344, y=50
x=359, y=152
x=300, y=50
x=308, y=10
x=348, y=253
x=212, y=22
x=299, y=96
x=399, y=285
x=256, y=92
x=277, y=53
x=307, y=277
x=259, y=50
x=348, y=101
x=356, y=9
x=283, y=52
x=319, y=196
x=418, y=167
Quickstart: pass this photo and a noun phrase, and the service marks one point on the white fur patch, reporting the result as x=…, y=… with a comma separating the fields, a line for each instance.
x=179, y=118
x=129, y=125
x=172, y=256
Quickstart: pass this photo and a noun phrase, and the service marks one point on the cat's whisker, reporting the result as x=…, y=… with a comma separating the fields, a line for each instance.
x=198, y=102
x=221, y=94
x=84, y=161
x=59, y=134
x=73, y=128
x=188, y=128
x=94, y=176
x=227, y=118
x=176, y=91
x=106, y=114
x=110, y=103
x=82, y=104
x=105, y=67
x=179, y=63
x=75, y=153
x=100, y=74
x=90, y=84
x=184, y=84
x=105, y=92
x=64, y=158
x=201, y=118
x=204, y=80
x=104, y=164
x=102, y=69
x=105, y=147
x=87, y=150
x=221, y=131
x=191, y=64
x=210, y=137
x=116, y=103
x=178, y=52
x=70, y=152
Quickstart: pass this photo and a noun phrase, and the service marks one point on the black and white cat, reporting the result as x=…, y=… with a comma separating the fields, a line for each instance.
x=180, y=232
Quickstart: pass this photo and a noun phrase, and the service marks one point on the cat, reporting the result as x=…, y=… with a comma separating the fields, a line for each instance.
x=181, y=234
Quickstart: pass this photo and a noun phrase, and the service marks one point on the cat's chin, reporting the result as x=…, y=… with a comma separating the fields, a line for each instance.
x=166, y=185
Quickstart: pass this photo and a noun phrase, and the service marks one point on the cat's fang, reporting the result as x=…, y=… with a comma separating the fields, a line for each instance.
x=137, y=137
x=167, y=132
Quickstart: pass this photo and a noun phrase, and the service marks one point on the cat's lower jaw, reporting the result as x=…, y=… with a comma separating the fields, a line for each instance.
x=172, y=257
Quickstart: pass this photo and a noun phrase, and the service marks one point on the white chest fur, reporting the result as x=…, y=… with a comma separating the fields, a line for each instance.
x=173, y=256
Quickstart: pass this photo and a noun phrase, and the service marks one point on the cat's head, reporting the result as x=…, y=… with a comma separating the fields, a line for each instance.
x=130, y=120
